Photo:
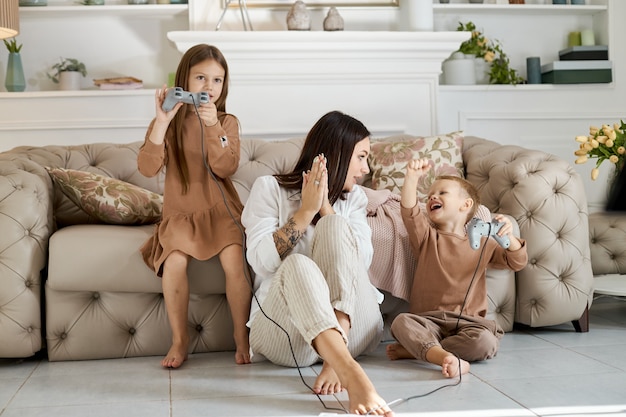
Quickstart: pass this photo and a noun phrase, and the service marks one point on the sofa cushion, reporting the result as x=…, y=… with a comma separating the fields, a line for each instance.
x=108, y=199
x=99, y=257
x=389, y=157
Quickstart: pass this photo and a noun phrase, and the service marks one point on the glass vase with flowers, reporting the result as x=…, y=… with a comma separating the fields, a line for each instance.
x=603, y=143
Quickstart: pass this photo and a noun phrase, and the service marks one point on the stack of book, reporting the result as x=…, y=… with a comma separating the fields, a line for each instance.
x=579, y=65
x=118, y=83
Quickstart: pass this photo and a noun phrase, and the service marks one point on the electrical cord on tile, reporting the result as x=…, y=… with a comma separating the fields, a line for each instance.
x=249, y=281
x=245, y=263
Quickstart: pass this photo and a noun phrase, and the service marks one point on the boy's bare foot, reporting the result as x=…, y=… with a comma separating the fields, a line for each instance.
x=396, y=351
x=362, y=394
x=175, y=357
x=327, y=382
x=450, y=366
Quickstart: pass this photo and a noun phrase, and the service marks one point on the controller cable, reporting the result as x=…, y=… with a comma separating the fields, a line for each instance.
x=249, y=281
x=246, y=270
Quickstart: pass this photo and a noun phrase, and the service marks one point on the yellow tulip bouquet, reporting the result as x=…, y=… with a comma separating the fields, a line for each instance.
x=603, y=143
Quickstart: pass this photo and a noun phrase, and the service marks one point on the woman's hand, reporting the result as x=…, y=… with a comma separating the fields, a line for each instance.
x=315, y=187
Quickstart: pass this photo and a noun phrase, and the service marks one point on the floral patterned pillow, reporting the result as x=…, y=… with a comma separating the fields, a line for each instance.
x=108, y=199
x=389, y=157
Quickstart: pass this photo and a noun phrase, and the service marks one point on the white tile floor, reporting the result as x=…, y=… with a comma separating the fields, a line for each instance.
x=538, y=372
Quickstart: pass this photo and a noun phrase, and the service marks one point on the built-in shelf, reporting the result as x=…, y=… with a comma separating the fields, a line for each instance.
x=523, y=87
x=521, y=9
x=135, y=10
x=91, y=92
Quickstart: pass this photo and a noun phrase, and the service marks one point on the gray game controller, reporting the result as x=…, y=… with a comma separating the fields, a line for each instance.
x=177, y=94
x=478, y=228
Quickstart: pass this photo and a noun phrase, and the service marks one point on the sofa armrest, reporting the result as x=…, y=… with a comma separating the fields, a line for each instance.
x=547, y=199
x=26, y=223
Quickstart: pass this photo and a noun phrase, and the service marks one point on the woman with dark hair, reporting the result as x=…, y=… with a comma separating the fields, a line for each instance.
x=310, y=246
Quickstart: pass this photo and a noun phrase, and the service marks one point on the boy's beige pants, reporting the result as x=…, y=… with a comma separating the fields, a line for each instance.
x=305, y=293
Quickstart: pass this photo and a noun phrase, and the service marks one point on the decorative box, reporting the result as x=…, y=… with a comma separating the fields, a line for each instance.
x=577, y=72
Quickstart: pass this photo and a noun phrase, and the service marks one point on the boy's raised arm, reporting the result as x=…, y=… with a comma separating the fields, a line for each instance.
x=414, y=170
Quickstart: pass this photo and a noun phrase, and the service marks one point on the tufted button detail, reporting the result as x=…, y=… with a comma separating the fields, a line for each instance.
x=612, y=256
x=533, y=302
x=593, y=240
x=132, y=330
x=18, y=187
x=96, y=295
x=533, y=261
x=63, y=336
x=498, y=310
x=529, y=215
x=198, y=328
x=26, y=232
x=29, y=329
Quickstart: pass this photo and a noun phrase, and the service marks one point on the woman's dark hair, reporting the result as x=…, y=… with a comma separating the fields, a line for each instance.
x=194, y=55
x=335, y=135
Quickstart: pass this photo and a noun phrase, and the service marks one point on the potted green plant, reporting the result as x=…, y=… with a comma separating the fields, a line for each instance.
x=14, y=80
x=67, y=73
x=490, y=52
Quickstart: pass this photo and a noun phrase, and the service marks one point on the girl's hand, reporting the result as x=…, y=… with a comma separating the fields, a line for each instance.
x=159, y=98
x=315, y=186
x=208, y=113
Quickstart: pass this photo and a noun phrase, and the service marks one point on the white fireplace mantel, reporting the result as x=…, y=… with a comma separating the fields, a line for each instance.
x=283, y=81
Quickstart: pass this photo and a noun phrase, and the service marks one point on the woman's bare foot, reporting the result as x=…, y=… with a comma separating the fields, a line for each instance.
x=452, y=365
x=175, y=357
x=327, y=382
x=242, y=353
x=362, y=394
x=242, y=357
x=396, y=351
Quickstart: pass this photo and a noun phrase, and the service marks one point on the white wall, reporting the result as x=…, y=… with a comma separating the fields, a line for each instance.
x=543, y=117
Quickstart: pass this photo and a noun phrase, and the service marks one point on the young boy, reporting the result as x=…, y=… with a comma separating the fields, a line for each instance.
x=446, y=322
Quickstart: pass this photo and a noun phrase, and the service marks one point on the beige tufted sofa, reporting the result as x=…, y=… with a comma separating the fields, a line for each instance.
x=607, y=234
x=100, y=301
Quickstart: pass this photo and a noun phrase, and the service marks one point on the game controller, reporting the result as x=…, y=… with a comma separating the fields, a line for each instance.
x=177, y=94
x=478, y=228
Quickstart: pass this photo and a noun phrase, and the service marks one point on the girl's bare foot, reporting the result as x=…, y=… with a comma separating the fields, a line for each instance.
x=175, y=357
x=327, y=382
x=396, y=351
x=452, y=365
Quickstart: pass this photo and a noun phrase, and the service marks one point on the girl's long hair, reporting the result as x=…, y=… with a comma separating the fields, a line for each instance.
x=193, y=56
x=335, y=135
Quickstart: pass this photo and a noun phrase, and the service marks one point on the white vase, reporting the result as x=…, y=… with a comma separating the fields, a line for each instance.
x=417, y=15
x=481, y=70
x=458, y=70
x=69, y=80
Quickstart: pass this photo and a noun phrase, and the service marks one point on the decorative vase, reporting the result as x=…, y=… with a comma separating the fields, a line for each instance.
x=28, y=3
x=481, y=70
x=14, y=80
x=417, y=15
x=459, y=70
x=69, y=80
